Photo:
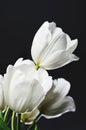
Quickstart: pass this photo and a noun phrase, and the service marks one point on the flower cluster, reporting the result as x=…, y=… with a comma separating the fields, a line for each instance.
x=28, y=91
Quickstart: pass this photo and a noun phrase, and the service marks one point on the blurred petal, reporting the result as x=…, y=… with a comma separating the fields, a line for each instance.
x=55, y=96
x=67, y=105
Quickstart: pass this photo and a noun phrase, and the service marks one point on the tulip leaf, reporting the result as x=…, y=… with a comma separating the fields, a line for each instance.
x=3, y=125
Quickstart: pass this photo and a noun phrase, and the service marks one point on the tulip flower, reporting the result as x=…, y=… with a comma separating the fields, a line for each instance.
x=52, y=48
x=2, y=100
x=24, y=86
x=28, y=90
x=56, y=102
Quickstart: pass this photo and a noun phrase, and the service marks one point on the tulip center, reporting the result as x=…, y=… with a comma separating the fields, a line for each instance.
x=37, y=65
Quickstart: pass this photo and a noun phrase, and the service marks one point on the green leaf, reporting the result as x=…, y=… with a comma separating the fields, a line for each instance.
x=3, y=125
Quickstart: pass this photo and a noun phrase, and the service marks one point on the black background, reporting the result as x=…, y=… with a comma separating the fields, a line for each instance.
x=19, y=21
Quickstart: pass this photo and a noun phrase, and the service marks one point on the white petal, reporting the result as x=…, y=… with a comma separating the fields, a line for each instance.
x=23, y=83
x=52, y=27
x=40, y=75
x=48, y=38
x=71, y=44
x=58, y=59
x=57, y=44
x=21, y=92
x=41, y=39
x=37, y=96
x=45, y=80
x=55, y=96
x=61, y=86
x=55, y=31
x=52, y=48
x=67, y=105
x=1, y=78
x=20, y=61
x=23, y=95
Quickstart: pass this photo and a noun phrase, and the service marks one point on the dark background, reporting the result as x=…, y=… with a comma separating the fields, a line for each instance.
x=19, y=21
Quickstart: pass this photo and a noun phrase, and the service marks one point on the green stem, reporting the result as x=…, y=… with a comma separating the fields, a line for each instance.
x=6, y=114
x=36, y=127
x=13, y=120
x=17, y=122
x=1, y=116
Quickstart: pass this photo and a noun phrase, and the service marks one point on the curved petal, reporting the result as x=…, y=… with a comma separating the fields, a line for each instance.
x=67, y=105
x=54, y=30
x=56, y=95
x=58, y=59
x=20, y=61
x=44, y=79
x=47, y=39
x=57, y=44
x=40, y=41
x=52, y=48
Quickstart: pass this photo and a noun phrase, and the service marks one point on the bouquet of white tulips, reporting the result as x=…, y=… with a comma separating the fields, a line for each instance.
x=27, y=91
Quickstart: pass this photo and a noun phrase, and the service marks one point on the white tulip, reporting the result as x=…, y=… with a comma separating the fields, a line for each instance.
x=2, y=101
x=24, y=86
x=56, y=102
x=52, y=48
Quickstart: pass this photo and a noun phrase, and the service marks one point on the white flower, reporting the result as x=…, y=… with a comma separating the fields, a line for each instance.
x=2, y=101
x=52, y=48
x=56, y=102
x=24, y=86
